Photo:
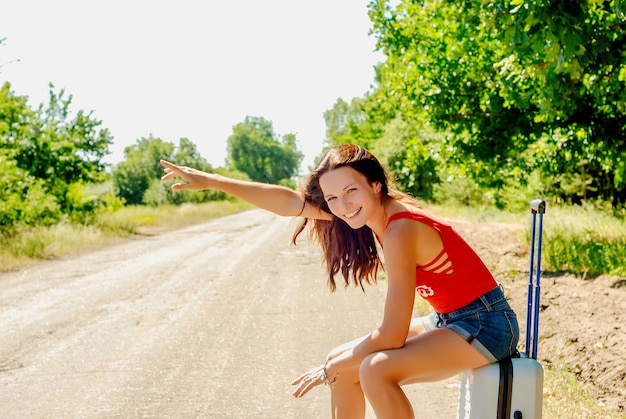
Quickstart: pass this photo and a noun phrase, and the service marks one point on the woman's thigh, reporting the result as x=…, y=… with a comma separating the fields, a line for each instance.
x=431, y=356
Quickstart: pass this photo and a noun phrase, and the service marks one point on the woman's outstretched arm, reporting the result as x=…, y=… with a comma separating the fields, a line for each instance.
x=277, y=199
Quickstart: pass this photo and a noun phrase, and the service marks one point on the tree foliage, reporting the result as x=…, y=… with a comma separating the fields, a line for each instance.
x=514, y=87
x=254, y=149
x=404, y=148
x=137, y=177
x=47, y=157
x=62, y=148
x=351, y=123
x=133, y=175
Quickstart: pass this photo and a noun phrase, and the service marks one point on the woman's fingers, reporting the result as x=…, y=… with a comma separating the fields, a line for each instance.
x=307, y=381
x=168, y=175
x=192, y=179
x=179, y=186
x=171, y=171
x=168, y=164
x=304, y=388
x=305, y=376
x=301, y=390
x=298, y=380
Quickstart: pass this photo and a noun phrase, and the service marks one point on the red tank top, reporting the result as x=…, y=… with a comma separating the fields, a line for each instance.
x=450, y=288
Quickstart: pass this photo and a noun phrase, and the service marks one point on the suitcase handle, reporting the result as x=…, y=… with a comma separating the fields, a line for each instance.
x=537, y=206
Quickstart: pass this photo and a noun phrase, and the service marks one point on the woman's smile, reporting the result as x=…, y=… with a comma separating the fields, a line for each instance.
x=353, y=213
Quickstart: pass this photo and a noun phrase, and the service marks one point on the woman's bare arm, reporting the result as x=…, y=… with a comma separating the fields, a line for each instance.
x=400, y=258
x=400, y=245
x=277, y=199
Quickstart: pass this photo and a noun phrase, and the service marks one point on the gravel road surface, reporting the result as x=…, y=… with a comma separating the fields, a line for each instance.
x=212, y=321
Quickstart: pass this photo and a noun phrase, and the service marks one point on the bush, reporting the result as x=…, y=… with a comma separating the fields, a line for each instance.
x=585, y=240
x=462, y=191
x=515, y=196
x=23, y=198
x=157, y=194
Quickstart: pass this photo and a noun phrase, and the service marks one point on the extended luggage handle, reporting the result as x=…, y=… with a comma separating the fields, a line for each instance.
x=537, y=207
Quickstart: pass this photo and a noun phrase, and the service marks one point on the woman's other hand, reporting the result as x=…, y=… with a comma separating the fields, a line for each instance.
x=312, y=378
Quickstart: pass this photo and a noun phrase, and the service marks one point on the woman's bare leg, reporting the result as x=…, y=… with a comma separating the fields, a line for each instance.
x=346, y=397
x=431, y=356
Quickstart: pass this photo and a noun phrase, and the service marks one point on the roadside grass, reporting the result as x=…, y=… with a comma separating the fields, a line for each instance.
x=25, y=245
x=148, y=220
x=585, y=241
x=564, y=396
x=487, y=215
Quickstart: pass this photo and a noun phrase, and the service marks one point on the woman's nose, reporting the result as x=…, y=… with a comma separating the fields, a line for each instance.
x=344, y=204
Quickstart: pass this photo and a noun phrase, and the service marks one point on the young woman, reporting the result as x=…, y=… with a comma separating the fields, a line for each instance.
x=351, y=209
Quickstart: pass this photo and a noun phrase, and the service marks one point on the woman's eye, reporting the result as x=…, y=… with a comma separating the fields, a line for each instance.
x=351, y=190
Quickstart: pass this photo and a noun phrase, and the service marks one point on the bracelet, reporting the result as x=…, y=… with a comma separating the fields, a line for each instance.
x=327, y=381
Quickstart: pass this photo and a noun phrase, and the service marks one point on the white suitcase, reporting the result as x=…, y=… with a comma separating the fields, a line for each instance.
x=513, y=387
x=490, y=392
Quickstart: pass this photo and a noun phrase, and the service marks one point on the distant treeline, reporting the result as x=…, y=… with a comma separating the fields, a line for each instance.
x=52, y=163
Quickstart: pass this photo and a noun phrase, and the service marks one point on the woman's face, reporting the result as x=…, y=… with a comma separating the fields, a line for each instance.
x=350, y=196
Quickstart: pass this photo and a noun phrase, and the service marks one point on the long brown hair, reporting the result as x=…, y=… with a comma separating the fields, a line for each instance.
x=347, y=251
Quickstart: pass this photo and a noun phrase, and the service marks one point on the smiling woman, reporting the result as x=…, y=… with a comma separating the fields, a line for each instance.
x=351, y=210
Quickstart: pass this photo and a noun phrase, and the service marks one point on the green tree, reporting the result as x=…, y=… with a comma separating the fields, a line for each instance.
x=17, y=121
x=62, y=148
x=257, y=151
x=70, y=147
x=132, y=176
x=351, y=123
x=187, y=154
x=137, y=177
x=23, y=198
x=46, y=159
x=411, y=154
x=522, y=86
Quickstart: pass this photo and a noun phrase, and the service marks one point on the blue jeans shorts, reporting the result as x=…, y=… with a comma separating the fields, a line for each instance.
x=487, y=323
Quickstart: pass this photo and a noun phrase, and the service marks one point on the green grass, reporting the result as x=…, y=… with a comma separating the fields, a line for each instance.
x=32, y=243
x=489, y=215
x=27, y=244
x=581, y=240
x=563, y=396
x=144, y=220
x=584, y=241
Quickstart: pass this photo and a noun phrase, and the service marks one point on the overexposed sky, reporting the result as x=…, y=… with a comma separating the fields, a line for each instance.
x=191, y=68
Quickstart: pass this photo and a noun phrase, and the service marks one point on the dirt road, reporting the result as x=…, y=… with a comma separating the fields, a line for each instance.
x=212, y=321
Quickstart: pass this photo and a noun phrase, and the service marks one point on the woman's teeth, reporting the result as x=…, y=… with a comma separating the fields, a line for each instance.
x=352, y=214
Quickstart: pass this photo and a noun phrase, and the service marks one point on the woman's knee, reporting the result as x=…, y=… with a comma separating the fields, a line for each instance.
x=372, y=370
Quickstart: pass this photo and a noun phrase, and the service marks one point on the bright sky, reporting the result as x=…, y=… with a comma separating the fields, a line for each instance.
x=191, y=68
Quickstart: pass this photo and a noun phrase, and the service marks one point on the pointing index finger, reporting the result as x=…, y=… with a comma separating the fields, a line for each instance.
x=167, y=164
x=171, y=170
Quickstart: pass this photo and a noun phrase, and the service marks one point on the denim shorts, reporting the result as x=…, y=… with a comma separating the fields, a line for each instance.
x=488, y=323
